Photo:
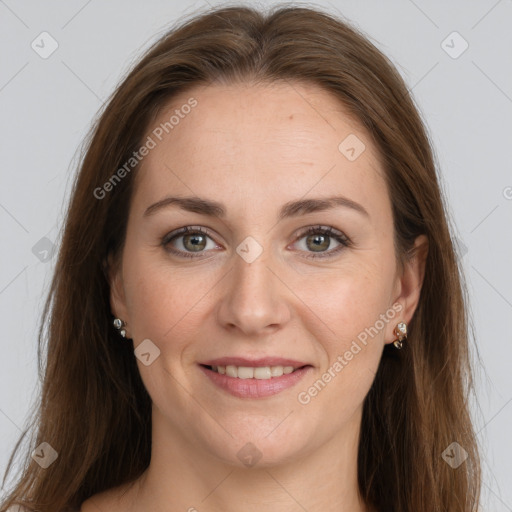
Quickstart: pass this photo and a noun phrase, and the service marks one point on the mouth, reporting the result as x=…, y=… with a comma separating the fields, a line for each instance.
x=250, y=382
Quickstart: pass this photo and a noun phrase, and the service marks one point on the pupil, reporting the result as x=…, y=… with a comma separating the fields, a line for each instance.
x=318, y=239
x=195, y=240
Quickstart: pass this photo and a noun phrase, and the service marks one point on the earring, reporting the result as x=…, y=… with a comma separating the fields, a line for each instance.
x=401, y=333
x=119, y=325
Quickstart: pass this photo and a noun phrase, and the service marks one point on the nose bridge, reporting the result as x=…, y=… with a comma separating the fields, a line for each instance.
x=252, y=301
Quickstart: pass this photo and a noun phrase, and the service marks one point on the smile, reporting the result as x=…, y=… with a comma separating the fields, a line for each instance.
x=254, y=382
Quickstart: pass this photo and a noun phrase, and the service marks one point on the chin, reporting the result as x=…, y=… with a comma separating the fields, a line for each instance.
x=260, y=450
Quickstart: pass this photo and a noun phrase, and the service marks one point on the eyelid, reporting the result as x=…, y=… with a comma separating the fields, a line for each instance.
x=183, y=231
x=328, y=230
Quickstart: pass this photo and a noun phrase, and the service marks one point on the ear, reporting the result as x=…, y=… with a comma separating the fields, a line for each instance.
x=113, y=271
x=408, y=285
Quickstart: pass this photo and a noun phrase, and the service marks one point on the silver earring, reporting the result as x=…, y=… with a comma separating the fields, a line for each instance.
x=401, y=333
x=119, y=325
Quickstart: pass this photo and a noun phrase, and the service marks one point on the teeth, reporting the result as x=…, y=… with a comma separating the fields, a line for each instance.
x=231, y=371
x=261, y=373
x=244, y=372
x=248, y=372
x=276, y=371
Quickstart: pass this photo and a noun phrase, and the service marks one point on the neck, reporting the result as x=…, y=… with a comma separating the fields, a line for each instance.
x=185, y=477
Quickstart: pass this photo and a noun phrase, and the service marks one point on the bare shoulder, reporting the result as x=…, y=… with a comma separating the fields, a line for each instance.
x=97, y=502
x=113, y=500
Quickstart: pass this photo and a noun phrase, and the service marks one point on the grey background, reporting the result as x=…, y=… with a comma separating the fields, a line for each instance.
x=48, y=105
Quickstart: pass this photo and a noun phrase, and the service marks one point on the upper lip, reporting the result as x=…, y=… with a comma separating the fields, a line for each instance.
x=261, y=362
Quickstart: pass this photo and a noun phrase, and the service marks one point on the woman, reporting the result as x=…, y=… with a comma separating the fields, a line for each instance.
x=257, y=298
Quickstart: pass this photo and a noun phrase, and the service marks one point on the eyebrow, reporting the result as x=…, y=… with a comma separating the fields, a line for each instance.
x=291, y=209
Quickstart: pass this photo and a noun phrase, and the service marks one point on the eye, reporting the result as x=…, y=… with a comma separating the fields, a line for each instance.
x=191, y=239
x=319, y=238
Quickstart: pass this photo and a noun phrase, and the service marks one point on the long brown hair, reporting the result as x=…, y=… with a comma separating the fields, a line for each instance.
x=94, y=410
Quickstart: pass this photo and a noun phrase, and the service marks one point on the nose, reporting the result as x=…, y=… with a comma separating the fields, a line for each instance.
x=254, y=301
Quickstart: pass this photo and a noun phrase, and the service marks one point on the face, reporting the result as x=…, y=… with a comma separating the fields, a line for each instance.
x=275, y=274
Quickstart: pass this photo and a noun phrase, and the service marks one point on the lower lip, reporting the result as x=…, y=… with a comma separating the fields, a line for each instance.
x=255, y=388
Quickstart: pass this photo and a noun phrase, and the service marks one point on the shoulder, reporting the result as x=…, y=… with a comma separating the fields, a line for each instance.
x=100, y=501
x=113, y=500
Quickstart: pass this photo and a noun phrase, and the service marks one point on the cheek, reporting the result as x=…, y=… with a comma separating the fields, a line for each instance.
x=348, y=302
x=352, y=348
x=165, y=303
x=351, y=313
x=154, y=300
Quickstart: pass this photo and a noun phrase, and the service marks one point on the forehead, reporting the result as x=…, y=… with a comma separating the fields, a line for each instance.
x=248, y=144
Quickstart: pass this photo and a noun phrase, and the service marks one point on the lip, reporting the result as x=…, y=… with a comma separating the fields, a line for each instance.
x=254, y=363
x=255, y=388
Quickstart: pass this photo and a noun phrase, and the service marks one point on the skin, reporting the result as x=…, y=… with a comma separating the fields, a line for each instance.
x=254, y=148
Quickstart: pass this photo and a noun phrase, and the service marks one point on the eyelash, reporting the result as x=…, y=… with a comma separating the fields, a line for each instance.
x=329, y=231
